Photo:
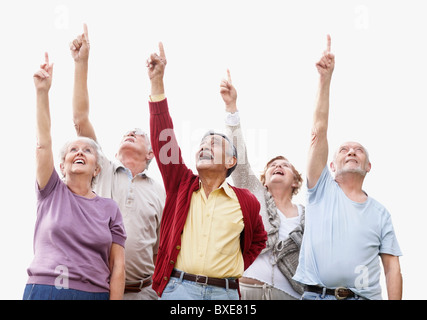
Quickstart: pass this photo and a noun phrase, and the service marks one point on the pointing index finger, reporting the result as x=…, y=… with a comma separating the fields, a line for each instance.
x=46, y=59
x=229, y=76
x=162, y=50
x=85, y=31
x=328, y=46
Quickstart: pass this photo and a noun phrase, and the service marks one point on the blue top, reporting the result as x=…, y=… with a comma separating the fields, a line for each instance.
x=343, y=239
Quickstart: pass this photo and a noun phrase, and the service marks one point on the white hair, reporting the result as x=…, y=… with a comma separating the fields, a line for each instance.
x=98, y=152
x=149, y=148
x=364, y=149
x=360, y=171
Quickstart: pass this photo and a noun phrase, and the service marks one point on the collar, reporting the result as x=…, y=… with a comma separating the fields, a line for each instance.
x=225, y=186
x=118, y=165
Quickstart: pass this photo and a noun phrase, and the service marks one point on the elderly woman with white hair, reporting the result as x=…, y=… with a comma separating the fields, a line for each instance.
x=79, y=237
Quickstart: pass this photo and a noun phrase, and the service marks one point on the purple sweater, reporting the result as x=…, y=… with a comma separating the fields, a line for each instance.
x=73, y=237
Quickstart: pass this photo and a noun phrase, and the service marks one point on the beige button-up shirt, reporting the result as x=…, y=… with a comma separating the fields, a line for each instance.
x=141, y=201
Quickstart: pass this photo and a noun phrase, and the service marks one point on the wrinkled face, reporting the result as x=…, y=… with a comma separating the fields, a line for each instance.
x=135, y=140
x=80, y=158
x=215, y=153
x=280, y=171
x=351, y=157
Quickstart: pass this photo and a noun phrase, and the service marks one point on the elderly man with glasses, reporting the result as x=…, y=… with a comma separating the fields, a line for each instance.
x=125, y=180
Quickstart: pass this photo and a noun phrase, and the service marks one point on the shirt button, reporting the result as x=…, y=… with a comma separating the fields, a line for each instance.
x=178, y=247
x=165, y=278
x=172, y=262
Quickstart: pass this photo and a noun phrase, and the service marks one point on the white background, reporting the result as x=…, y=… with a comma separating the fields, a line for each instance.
x=377, y=96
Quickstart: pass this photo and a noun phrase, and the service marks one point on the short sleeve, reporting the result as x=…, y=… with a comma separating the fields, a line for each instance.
x=389, y=244
x=316, y=193
x=117, y=228
x=106, y=167
x=50, y=186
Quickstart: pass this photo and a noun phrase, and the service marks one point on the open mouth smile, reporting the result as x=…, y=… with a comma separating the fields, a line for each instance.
x=79, y=161
x=205, y=155
x=130, y=139
x=279, y=172
x=352, y=160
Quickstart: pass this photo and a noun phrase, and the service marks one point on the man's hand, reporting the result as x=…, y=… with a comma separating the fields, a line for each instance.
x=43, y=77
x=156, y=65
x=325, y=66
x=80, y=46
x=229, y=94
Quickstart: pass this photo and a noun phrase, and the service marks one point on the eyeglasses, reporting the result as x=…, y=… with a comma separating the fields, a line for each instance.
x=136, y=131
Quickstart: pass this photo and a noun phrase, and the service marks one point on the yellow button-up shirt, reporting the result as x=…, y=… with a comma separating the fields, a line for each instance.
x=210, y=241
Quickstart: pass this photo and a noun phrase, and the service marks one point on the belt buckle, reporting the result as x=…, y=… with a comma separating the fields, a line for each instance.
x=337, y=293
x=143, y=282
x=200, y=277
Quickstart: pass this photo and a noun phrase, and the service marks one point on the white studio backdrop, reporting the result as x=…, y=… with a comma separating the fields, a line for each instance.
x=271, y=47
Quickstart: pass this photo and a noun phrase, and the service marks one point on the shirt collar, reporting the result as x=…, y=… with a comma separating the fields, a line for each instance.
x=118, y=165
x=225, y=186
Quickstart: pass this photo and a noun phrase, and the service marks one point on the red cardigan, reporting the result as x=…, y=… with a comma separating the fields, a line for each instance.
x=180, y=183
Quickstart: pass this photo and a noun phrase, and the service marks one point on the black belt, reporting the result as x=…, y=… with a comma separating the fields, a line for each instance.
x=232, y=284
x=339, y=293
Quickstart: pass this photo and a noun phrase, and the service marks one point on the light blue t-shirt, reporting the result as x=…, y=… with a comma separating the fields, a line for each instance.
x=343, y=239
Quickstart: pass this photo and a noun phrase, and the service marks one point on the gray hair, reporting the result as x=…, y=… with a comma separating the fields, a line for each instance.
x=98, y=152
x=232, y=150
x=149, y=148
x=140, y=132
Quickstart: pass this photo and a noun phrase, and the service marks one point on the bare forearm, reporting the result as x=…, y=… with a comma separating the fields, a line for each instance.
x=321, y=112
x=80, y=93
x=44, y=156
x=157, y=87
x=319, y=149
x=394, y=285
x=81, y=120
x=44, y=139
x=117, y=284
x=118, y=274
x=231, y=107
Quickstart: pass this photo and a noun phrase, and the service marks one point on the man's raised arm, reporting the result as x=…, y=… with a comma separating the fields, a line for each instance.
x=318, y=152
x=163, y=139
x=80, y=48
